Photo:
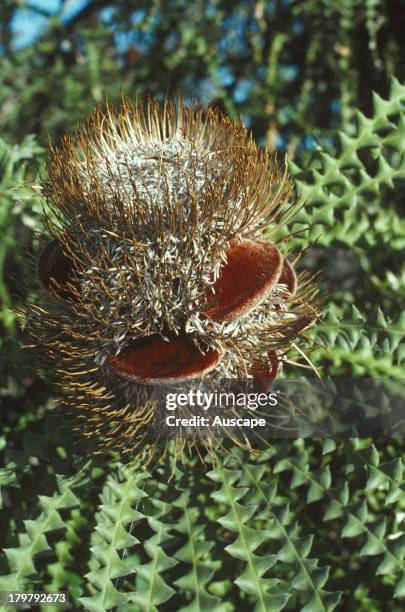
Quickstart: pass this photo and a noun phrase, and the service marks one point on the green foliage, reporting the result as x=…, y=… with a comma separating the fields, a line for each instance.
x=196, y=553
x=33, y=541
x=341, y=187
x=120, y=498
x=151, y=588
x=360, y=347
x=267, y=534
x=19, y=211
x=265, y=592
x=356, y=517
x=353, y=217
x=294, y=70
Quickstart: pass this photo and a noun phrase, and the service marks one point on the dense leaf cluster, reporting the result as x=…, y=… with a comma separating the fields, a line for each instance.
x=299, y=527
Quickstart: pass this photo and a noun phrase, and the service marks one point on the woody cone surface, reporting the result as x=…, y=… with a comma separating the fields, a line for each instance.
x=158, y=270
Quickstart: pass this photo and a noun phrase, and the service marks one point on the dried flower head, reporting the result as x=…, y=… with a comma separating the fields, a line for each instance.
x=161, y=269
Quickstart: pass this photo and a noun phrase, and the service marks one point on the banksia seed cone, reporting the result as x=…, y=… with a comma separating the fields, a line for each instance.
x=159, y=270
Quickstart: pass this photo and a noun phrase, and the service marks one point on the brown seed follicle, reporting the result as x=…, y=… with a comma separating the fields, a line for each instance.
x=288, y=277
x=54, y=270
x=153, y=360
x=265, y=373
x=251, y=271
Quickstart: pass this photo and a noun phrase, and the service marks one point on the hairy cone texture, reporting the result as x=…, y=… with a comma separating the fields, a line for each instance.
x=158, y=270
